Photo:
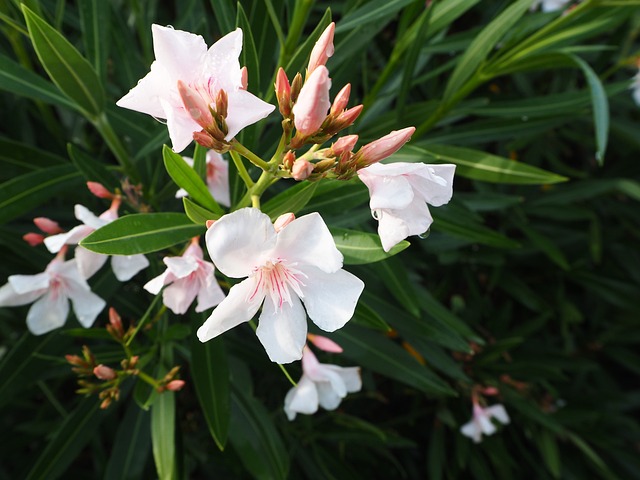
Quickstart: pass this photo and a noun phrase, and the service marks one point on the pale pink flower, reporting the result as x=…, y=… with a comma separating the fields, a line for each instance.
x=481, y=423
x=124, y=266
x=300, y=262
x=321, y=385
x=51, y=291
x=313, y=102
x=323, y=49
x=217, y=178
x=184, y=56
x=399, y=193
x=188, y=277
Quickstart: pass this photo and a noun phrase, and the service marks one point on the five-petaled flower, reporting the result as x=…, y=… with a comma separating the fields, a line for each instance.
x=124, y=266
x=217, y=178
x=481, y=423
x=51, y=291
x=188, y=277
x=183, y=56
x=321, y=385
x=299, y=262
x=399, y=195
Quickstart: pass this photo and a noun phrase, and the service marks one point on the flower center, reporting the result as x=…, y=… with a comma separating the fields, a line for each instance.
x=277, y=280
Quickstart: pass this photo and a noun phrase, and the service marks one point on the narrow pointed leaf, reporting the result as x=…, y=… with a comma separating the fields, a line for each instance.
x=131, y=446
x=163, y=425
x=92, y=169
x=291, y=200
x=360, y=247
x=198, y=214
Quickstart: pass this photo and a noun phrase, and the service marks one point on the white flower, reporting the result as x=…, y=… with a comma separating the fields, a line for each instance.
x=188, y=277
x=299, y=262
x=124, y=266
x=399, y=195
x=635, y=87
x=321, y=384
x=481, y=423
x=51, y=291
x=217, y=178
x=183, y=56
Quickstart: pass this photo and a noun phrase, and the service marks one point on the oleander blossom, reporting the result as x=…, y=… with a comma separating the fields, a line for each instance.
x=51, y=292
x=399, y=194
x=298, y=262
x=217, y=178
x=183, y=56
x=189, y=277
x=320, y=385
x=124, y=266
x=481, y=423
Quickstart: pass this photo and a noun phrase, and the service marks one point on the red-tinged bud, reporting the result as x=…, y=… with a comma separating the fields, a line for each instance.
x=323, y=49
x=301, y=169
x=346, y=118
x=104, y=373
x=244, y=78
x=313, y=102
x=283, y=93
x=344, y=144
x=283, y=220
x=204, y=139
x=175, y=385
x=75, y=360
x=296, y=86
x=383, y=147
x=116, y=323
x=105, y=403
x=99, y=190
x=47, y=225
x=341, y=101
x=208, y=223
x=33, y=239
x=195, y=105
x=490, y=391
x=324, y=343
x=288, y=160
x=222, y=103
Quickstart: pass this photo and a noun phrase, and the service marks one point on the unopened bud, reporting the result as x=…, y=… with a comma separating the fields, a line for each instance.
x=296, y=86
x=47, y=225
x=195, y=105
x=490, y=391
x=344, y=144
x=104, y=373
x=283, y=93
x=313, y=102
x=383, y=147
x=288, y=159
x=341, y=101
x=33, y=239
x=208, y=223
x=175, y=385
x=301, y=169
x=222, y=103
x=323, y=49
x=75, y=360
x=345, y=119
x=99, y=190
x=283, y=220
x=324, y=343
x=205, y=139
x=244, y=78
x=115, y=321
x=105, y=403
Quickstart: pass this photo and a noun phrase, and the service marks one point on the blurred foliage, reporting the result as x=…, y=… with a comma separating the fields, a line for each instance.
x=528, y=282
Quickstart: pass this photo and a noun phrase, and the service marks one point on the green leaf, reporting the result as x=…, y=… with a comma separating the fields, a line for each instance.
x=255, y=438
x=291, y=200
x=600, y=107
x=69, y=70
x=482, y=45
x=371, y=12
x=16, y=79
x=131, y=445
x=374, y=351
x=301, y=56
x=185, y=177
x=549, y=451
x=27, y=191
x=360, y=247
x=210, y=374
x=225, y=14
x=396, y=278
x=368, y=317
x=196, y=213
x=92, y=169
x=19, y=158
x=200, y=161
x=76, y=430
x=546, y=245
x=479, y=165
x=142, y=233
x=470, y=231
x=163, y=425
x=94, y=20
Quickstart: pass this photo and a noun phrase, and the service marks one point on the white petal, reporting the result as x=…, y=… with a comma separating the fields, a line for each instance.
x=434, y=184
x=471, y=430
x=221, y=62
x=218, y=178
x=154, y=285
x=244, y=109
x=180, y=53
x=350, y=376
x=396, y=225
x=308, y=241
x=180, y=295
x=328, y=397
x=55, y=242
x=87, y=217
x=387, y=191
x=301, y=399
x=29, y=283
x=232, y=311
x=209, y=295
x=240, y=241
x=499, y=413
x=283, y=331
x=86, y=304
x=89, y=262
x=330, y=298
x=145, y=96
x=10, y=298
x=126, y=266
x=181, y=266
x=180, y=125
x=486, y=426
x=48, y=313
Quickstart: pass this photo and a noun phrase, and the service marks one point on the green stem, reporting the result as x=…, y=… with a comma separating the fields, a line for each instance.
x=249, y=155
x=113, y=141
x=242, y=171
x=144, y=319
x=148, y=379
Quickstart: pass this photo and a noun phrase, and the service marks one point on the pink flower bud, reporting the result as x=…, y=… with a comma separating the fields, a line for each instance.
x=99, y=190
x=208, y=223
x=195, y=105
x=244, y=78
x=175, y=385
x=288, y=159
x=313, y=102
x=344, y=144
x=323, y=49
x=47, y=225
x=346, y=118
x=383, y=147
x=104, y=373
x=33, y=239
x=301, y=169
x=341, y=100
x=283, y=220
x=324, y=343
x=490, y=391
x=283, y=92
x=116, y=322
x=205, y=139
